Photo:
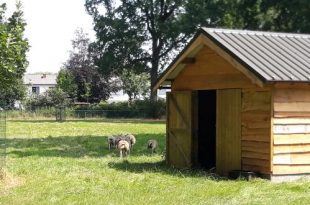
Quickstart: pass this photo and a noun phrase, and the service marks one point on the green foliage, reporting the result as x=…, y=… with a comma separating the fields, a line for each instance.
x=37, y=113
x=57, y=97
x=52, y=98
x=142, y=35
x=286, y=15
x=135, y=85
x=268, y=15
x=13, y=47
x=65, y=82
x=138, y=108
x=90, y=85
x=9, y=95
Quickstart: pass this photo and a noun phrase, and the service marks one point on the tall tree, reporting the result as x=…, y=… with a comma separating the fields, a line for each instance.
x=65, y=82
x=13, y=47
x=91, y=86
x=141, y=35
x=286, y=15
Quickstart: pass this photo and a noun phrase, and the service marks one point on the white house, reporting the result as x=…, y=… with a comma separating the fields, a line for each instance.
x=39, y=83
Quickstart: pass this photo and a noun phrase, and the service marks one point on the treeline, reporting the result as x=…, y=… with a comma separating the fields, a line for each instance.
x=135, y=41
x=13, y=62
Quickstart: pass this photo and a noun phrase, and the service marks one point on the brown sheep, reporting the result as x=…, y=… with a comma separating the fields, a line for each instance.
x=152, y=145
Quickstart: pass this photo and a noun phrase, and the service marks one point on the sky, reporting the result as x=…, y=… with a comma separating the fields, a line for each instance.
x=50, y=28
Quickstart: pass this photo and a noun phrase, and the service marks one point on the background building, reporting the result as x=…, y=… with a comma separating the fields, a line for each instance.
x=39, y=83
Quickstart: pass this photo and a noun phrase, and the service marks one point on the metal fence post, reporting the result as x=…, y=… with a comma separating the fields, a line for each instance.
x=2, y=140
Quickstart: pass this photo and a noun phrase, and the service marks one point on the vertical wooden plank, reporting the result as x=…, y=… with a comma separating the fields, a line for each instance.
x=195, y=127
x=167, y=126
x=228, y=138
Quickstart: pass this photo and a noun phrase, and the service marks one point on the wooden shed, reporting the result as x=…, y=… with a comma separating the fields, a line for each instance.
x=240, y=100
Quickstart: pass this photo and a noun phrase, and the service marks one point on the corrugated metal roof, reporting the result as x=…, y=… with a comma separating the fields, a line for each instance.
x=40, y=79
x=271, y=56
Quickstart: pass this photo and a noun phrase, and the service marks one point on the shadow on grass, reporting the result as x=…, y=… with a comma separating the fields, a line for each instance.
x=96, y=147
x=75, y=146
x=110, y=120
x=163, y=168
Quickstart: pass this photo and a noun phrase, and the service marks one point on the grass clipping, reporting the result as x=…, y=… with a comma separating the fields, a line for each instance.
x=7, y=180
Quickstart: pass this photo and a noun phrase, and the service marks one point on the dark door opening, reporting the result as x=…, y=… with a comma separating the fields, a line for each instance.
x=207, y=128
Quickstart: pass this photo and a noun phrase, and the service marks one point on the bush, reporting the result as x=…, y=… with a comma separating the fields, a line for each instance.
x=52, y=98
x=138, y=109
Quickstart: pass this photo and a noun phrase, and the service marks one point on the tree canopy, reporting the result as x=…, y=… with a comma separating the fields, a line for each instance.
x=81, y=73
x=13, y=47
x=144, y=35
x=65, y=82
x=141, y=35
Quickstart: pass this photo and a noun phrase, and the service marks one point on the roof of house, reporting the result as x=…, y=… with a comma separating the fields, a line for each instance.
x=270, y=56
x=40, y=79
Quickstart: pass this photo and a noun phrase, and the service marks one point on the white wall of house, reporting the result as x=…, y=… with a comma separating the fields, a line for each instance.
x=40, y=89
x=121, y=96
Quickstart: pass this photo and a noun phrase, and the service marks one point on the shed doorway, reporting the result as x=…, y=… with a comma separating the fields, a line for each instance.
x=207, y=129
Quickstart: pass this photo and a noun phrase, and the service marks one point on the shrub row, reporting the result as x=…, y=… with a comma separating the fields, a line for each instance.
x=137, y=109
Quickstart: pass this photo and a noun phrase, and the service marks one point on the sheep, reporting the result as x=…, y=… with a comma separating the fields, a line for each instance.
x=111, y=142
x=132, y=139
x=152, y=144
x=123, y=147
x=121, y=137
x=114, y=141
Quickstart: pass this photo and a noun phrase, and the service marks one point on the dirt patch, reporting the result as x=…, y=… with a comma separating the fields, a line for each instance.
x=8, y=181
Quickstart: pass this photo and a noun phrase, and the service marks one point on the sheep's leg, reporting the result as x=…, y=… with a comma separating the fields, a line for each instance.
x=121, y=153
x=110, y=146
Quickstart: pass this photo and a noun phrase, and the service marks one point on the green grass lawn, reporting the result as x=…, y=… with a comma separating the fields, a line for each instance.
x=68, y=163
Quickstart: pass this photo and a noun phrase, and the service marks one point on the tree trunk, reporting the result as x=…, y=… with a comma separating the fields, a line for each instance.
x=154, y=69
x=154, y=76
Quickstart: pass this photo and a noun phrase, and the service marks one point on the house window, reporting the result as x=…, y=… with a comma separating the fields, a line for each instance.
x=36, y=90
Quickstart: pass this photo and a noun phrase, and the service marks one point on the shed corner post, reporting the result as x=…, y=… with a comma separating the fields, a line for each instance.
x=168, y=94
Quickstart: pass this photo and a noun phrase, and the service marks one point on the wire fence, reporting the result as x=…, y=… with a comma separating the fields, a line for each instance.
x=63, y=114
x=2, y=139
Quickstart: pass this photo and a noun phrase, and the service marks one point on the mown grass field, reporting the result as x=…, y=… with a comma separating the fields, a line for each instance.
x=68, y=163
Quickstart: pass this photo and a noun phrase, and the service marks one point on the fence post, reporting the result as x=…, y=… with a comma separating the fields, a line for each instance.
x=2, y=143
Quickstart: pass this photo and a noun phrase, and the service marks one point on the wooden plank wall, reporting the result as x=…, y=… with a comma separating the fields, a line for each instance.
x=291, y=129
x=256, y=130
x=210, y=71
